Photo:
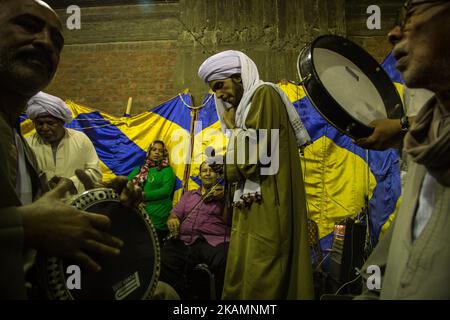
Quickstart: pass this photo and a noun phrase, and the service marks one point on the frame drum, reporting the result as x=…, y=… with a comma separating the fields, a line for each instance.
x=347, y=86
x=131, y=275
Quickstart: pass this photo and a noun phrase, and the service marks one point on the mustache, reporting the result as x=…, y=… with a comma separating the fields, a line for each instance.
x=37, y=54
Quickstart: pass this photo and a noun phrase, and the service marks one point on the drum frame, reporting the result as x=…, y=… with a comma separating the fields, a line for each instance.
x=53, y=274
x=322, y=100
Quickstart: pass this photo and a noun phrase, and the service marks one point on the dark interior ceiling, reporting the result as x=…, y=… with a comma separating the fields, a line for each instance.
x=62, y=4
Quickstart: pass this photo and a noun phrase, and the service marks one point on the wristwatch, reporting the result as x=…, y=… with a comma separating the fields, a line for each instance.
x=404, y=122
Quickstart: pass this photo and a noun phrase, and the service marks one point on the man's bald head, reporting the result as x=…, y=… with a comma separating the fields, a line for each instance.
x=38, y=2
x=30, y=45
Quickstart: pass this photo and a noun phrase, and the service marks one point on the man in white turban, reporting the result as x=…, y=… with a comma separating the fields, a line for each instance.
x=269, y=256
x=44, y=104
x=60, y=151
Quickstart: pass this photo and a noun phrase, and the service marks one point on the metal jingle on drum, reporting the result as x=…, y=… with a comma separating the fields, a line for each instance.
x=132, y=275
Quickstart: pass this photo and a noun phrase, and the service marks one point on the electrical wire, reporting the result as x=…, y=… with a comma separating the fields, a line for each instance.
x=347, y=283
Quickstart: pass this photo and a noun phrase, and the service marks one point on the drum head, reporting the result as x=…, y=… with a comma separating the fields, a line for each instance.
x=347, y=86
x=131, y=275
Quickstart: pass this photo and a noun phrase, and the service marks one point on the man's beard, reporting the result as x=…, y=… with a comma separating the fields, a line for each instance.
x=433, y=77
x=5, y=66
x=238, y=93
x=24, y=82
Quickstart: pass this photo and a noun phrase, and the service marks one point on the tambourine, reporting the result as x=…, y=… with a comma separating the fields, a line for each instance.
x=132, y=275
x=346, y=85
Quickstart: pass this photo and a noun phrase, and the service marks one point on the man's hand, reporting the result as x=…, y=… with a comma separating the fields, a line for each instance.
x=387, y=133
x=173, y=223
x=130, y=195
x=58, y=229
x=229, y=116
x=53, y=182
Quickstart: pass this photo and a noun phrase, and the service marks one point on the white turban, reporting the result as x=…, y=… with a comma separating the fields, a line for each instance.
x=226, y=63
x=220, y=66
x=45, y=104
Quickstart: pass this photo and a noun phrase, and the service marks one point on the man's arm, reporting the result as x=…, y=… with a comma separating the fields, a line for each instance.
x=173, y=223
x=57, y=229
x=387, y=134
x=130, y=195
x=177, y=215
x=264, y=113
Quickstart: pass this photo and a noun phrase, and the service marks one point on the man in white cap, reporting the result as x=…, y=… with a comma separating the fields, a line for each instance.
x=60, y=151
x=269, y=256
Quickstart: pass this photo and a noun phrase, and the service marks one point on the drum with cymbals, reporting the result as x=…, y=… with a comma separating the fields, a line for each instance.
x=346, y=85
x=132, y=275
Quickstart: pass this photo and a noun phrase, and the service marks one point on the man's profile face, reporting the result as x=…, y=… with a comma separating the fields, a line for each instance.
x=422, y=45
x=49, y=128
x=228, y=90
x=30, y=45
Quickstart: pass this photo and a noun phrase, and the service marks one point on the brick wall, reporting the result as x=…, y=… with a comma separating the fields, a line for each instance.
x=152, y=52
x=120, y=52
x=271, y=32
x=103, y=76
x=377, y=46
x=374, y=41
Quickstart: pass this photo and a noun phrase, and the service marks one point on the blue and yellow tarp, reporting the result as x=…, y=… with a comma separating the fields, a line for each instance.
x=122, y=142
x=338, y=174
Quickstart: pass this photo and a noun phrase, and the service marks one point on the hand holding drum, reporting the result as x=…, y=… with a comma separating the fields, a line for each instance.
x=347, y=86
x=115, y=236
x=55, y=228
x=130, y=195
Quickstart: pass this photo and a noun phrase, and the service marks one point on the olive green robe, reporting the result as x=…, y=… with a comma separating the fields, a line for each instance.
x=269, y=256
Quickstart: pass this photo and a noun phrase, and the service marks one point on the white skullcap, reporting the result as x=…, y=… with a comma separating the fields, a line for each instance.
x=220, y=66
x=45, y=104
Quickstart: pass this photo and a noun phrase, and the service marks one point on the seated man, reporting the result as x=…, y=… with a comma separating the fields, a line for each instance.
x=60, y=151
x=202, y=236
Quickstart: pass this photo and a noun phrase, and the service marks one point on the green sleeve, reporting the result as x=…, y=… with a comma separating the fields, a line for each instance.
x=134, y=173
x=264, y=113
x=166, y=190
